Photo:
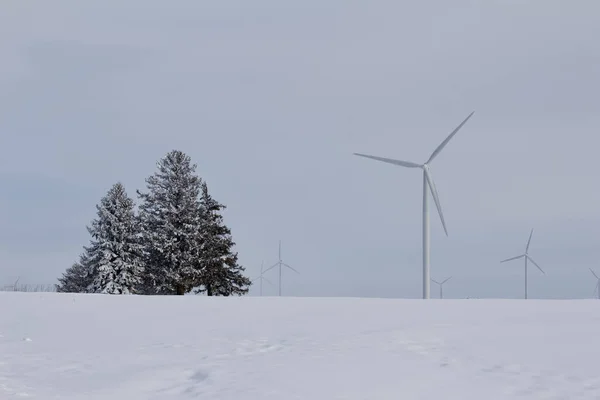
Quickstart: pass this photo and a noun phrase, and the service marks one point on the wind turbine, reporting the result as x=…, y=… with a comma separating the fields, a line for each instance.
x=441, y=284
x=527, y=258
x=597, y=289
x=280, y=263
x=262, y=278
x=427, y=183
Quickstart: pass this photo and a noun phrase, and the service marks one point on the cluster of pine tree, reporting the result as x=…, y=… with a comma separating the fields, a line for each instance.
x=175, y=244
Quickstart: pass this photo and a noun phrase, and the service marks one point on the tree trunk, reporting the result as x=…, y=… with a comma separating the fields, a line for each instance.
x=209, y=290
x=180, y=290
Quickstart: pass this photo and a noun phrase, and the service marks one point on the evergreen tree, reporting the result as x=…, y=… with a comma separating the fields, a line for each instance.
x=114, y=256
x=170, y=215
x=221, y=275
x=75, y=279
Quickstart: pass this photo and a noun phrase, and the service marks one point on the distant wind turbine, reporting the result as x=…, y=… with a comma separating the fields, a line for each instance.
x=527, y=258
x=597, y=289
x=441, y=284
x=262, y=278
x=280, y=263
x=427, y=183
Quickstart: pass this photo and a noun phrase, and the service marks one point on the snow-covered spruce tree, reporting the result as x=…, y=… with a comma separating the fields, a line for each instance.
x=115, y=252
x=221, y=275
x=170, y=215
x=75, y=279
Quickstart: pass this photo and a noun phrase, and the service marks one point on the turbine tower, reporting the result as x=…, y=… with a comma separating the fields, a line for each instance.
x=280, y=263
x=262, y=278
x=441, y=284
x=527, y=258
x=427, y=184
x=597, y=289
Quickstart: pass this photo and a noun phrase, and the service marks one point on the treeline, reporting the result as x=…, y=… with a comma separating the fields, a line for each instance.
x=174, y=244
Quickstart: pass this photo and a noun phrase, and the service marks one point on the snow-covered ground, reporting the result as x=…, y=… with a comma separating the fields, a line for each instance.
x=62, y=346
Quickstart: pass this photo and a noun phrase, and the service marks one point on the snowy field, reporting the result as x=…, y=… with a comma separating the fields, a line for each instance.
x=62, y=346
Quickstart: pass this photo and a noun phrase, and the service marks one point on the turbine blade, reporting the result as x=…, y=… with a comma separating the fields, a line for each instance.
x=271, y=267
x=434, y=281
x=407, y=164
x=436, y=198
x=536, y=264
x=285, y=265
x=447, y=279
x=268, y=281
x=596, y=288
x=592, y=271
x=529, y=241
x=445, y=142
x=513, y=258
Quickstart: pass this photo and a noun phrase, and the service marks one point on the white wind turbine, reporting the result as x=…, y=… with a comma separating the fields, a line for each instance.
x=427, y=183
x=280, y=263
x=597, y=289
x=441, y=284
x=527, y=258
x=262, y=278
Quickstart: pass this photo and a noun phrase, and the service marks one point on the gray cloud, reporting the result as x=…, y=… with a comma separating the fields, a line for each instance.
x=271, y=101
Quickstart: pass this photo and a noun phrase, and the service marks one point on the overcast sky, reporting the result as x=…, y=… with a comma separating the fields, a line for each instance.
x=271, y=99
